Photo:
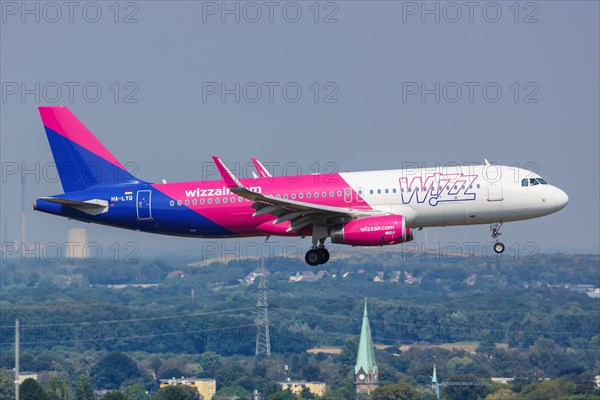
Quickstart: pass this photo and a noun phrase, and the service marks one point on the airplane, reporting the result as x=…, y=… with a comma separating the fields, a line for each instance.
x=371, y=208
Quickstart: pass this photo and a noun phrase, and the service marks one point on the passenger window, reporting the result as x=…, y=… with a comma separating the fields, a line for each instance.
x=339, y=193
x=233, y=199
x=301, y=195
x=209, y=201
x=324, y=194
x=371, y=191
x=316, y=195
x=178, y=202
x=387, y=190
x=201, y=201
x=378, y=191
x=172, y=203
x=194, y=202
x=217, y=200
x=308, y=195
x=224, y=199
x=285, y=196
x=293, y=195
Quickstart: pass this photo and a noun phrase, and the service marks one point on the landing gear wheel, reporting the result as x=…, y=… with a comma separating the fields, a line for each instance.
x=499, y=248
x=313, y=257
x=324, y=253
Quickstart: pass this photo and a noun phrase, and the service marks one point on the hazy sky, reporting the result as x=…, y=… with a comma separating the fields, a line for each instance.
x=361, y=84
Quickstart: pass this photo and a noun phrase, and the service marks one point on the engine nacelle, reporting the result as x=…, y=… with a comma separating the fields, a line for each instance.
x=373, y=231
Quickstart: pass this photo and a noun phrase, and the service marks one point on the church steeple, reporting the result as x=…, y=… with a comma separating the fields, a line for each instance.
x=365, y=371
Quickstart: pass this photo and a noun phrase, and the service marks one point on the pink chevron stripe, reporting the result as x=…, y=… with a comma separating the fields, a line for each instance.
x=62, y=121
x=237, y=216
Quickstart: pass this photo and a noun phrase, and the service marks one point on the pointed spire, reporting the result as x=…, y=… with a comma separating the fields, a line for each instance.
x=365, y=358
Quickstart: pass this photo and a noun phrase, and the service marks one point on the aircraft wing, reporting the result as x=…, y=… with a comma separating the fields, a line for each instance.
x=262, y=171
x=299, y=213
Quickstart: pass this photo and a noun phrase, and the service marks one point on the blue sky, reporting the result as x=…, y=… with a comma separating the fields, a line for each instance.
x=360, y=84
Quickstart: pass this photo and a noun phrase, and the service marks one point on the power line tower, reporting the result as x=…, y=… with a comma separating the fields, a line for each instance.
x=263, y=339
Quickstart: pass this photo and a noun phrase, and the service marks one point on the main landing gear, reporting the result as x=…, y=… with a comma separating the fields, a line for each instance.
x=495, y=228
x=318, y=254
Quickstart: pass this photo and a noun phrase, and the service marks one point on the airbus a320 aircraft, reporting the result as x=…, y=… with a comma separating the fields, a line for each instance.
x=373, y=208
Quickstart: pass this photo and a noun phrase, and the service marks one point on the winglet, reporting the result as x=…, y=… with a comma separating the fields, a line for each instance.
x=230, y=180
x=262, y=171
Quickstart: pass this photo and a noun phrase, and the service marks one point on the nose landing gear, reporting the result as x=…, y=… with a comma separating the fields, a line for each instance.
x=495, y=228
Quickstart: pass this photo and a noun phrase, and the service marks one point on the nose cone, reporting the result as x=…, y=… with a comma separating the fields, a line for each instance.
x=559, y=199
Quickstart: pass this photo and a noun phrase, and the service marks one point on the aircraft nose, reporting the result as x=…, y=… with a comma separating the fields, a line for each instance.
x=560, y=199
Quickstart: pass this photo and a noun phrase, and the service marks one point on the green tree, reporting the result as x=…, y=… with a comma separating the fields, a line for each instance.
x=115, y=395
x=211, y=363
x=311, y=372
x=347, y=356
x=30, y=389
x=283, y=395
x=177, y=393
x=397, y=391
x=113, y=370
x=84, y=389
x=307, y=394
x=7, y=386
x=554, y=389
x=135, y=392
x=502, y=394
x=57, y=389
x=465, y=392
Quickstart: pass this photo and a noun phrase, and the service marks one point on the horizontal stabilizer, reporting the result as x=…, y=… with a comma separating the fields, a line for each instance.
x=93, y=206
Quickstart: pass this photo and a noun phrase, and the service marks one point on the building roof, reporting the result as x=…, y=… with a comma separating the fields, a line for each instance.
x=365, y=358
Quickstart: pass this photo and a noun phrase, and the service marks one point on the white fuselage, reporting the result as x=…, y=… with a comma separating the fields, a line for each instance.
x=457, y=195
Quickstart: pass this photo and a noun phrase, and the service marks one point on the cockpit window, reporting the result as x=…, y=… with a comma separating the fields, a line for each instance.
x=533, y=182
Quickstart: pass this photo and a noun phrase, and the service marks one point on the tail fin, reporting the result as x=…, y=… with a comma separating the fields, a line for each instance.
x=82, y=161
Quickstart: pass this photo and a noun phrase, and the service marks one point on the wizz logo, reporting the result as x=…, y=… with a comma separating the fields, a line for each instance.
x=436, y=188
